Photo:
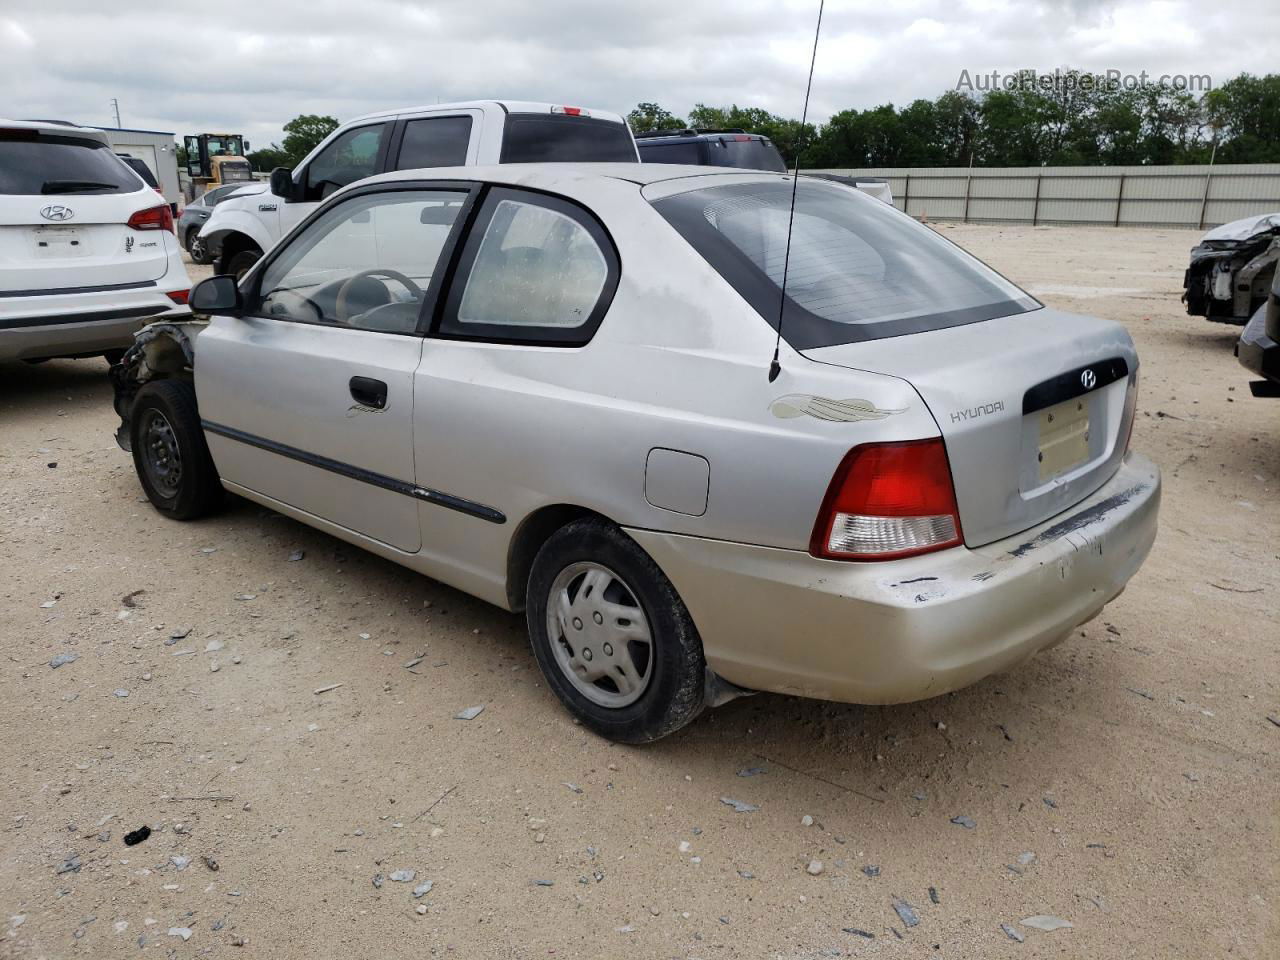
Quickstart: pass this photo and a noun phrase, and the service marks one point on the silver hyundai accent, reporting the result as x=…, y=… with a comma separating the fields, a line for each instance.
x=549, y=386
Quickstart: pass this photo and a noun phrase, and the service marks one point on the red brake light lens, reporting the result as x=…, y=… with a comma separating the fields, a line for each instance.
x=179, y=296
x=887, y=501
x=153, y=218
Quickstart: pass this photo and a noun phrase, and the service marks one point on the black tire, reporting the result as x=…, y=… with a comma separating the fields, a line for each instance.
x=197, y=249
x=169, y=451
x=241, y=263
x=112, y=356
x=677, y=674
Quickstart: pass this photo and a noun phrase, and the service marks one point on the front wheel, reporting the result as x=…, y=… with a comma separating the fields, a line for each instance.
x=612, y=636
x=170, y=453
x=242, y=263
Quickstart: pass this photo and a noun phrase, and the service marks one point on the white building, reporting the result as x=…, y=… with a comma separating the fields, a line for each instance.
x=155, y=148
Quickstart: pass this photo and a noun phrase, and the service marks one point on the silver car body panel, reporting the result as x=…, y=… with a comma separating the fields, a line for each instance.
x=478, y=438
x=914, y=628
x=974, y=378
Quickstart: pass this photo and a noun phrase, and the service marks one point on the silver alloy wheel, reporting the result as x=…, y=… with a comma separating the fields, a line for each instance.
x=600, y=637
x=198, y=249
x=161, y=457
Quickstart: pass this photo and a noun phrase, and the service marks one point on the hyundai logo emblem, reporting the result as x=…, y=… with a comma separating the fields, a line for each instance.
x=56, y=211
x=1089, y=379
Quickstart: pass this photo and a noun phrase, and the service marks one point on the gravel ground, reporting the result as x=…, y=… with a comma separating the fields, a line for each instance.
x=1124, y=781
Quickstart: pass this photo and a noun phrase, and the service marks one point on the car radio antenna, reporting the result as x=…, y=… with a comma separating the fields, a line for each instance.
x=775, y=367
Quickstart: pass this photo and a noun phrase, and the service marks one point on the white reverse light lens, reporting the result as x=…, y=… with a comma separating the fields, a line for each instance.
x=855, y=533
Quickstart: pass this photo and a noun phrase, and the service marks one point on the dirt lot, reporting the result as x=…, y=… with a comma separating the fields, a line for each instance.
x=1124, y=781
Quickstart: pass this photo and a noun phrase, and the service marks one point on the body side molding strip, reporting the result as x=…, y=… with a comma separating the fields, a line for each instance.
x=353, y=472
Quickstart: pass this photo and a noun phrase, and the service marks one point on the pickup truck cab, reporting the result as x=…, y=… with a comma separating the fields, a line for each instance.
x=444, y=135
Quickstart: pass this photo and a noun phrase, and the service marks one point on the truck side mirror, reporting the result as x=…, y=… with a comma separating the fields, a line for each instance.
x=282, y=182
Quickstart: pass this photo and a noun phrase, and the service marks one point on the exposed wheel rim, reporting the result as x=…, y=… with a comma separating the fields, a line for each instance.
x=197, y=248
x=600, y=636
x=161, y=457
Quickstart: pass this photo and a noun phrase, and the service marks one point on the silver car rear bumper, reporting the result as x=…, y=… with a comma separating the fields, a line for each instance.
x=784, y=621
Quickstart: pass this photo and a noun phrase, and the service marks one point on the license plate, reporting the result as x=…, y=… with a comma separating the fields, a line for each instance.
x=60, y=242
x=1064, y=437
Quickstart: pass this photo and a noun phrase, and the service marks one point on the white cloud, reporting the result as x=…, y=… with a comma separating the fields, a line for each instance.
x=13, y=32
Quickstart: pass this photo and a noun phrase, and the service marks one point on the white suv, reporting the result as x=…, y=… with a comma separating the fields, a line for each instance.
x=87, y=250
x=444, y=135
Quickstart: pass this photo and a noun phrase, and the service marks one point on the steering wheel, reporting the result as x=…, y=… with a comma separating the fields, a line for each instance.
x=341, y=307
x=281, y=307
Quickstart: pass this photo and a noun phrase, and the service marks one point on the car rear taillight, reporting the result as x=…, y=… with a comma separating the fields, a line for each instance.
x=153, y=218
x=1131, y=410
x=178, y=296
x=571, y=111
x=888, y=500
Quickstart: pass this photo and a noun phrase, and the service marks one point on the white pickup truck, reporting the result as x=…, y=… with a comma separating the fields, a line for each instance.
x=444, y=135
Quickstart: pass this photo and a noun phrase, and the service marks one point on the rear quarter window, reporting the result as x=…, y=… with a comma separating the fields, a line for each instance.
x=555, y=137
x=37, y=165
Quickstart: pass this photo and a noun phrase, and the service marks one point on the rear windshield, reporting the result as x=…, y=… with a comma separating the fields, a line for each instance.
x=31, y=164
x=859, y=270
x=747, y=153
x=554, y=137
x=684, y=151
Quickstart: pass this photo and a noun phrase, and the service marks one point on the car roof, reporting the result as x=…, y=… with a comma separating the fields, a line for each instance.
x=59, y=128
x=510, y=106
x=549, y=174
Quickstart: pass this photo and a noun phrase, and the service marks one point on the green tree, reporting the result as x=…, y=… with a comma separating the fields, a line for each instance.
x=702, y=117
x=301, y=134
x=1245, y=114
x=652, y=116
x=268, y=158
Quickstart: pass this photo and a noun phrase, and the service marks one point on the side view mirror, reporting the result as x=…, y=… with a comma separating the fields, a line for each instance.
x=282, y=182
x=217, y=296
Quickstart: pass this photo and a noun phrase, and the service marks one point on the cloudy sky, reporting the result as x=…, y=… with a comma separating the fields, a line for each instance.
x=255, y=65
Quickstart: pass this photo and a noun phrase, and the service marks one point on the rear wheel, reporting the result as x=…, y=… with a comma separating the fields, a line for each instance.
x=612, y=636
x=169, y=451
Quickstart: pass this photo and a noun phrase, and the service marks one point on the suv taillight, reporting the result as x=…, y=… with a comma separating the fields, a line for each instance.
x=153, y=218
x=886, y=501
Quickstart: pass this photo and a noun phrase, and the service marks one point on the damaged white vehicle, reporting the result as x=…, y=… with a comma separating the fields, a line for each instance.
x=550, y=387
x=1232, y=268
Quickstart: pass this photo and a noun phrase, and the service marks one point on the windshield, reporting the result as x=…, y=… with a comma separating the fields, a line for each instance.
x=748, y=153
x=555, y=137
x=34, y=164
x=859, y=270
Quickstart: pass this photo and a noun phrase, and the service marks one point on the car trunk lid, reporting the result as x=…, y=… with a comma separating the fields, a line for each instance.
x=1035, y=409
x=78, y=241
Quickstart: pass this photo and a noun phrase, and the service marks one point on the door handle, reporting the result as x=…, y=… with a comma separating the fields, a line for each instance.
x=369, y=392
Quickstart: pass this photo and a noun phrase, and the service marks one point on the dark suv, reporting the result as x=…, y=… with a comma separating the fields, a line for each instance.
x=711, y=148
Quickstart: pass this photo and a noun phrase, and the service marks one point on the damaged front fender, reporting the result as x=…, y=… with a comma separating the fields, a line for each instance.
x=160, y=351
x=1231, y=269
